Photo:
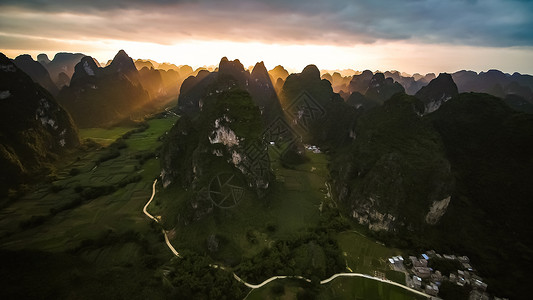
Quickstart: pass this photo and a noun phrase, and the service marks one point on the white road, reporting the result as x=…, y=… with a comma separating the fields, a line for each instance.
x=155, y=219
x=255, y=286
x=373, y=278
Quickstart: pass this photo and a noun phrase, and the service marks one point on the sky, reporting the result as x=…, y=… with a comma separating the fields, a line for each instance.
x=407, y=35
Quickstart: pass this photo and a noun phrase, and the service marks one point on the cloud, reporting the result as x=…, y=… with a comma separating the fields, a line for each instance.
x=494, y=23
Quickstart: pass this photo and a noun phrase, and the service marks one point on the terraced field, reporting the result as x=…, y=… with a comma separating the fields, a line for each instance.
x=88, y=198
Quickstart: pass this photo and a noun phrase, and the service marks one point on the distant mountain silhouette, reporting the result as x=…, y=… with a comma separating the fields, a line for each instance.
x=410, y=84
x=141, y=63
x=123, y=64
x=381, y=88
x=319, y=115
x=339, y=83
x=360, y=83
x=102, y=96
x=62, y=63
x=196, y=90
x=263, y=92
x=34, y=129
x=278, y=72
x=496, y=83
x=37, y=72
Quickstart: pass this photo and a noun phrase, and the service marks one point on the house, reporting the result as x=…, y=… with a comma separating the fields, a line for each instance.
x=467, y=266
x=480, y=285
x=432, y=289
x=418, y=262
x=423, y=272
x=437, y=276
x=464, y=259
x=417, y=282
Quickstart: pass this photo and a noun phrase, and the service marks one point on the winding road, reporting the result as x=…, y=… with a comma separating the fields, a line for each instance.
x=155, y=219
x=256, y=286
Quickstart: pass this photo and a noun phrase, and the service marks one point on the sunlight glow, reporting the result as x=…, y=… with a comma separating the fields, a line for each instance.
x=402, y=56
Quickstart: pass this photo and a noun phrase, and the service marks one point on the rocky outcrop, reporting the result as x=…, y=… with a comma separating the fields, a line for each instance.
x=222, y=140
x=438, y=91
x=437, y=210
x=34, y=129
x=395, y=168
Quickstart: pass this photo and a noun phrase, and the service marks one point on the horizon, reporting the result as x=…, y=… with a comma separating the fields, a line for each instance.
x=344, y=71
x=413, y=37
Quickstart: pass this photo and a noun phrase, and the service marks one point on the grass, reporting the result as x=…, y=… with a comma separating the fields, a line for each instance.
x=103, y=136
x=266, y=220
x=118, y=211
x=364, y=255
x=98, y=248
x=297, y=190
x=291, y=287
x=340, y=288
x=364, y=288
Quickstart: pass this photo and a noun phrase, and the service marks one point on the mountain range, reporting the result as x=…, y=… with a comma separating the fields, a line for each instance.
x=418, y=161
x=35, y=129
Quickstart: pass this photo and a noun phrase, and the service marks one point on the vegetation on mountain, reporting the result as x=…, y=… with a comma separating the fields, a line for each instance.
x=99, y=97
x=35, y=129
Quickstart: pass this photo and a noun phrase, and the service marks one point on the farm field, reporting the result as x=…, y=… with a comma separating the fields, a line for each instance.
x=103, y=136
x=340, y=288
x=364, y=288
x=118, y=210
x=364, y=255
x=93, y=211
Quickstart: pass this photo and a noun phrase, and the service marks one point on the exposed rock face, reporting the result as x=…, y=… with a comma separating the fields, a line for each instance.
x=438, y=91
x=224, y=137
x=396, y=167
x=437, y=210
x=34, y=128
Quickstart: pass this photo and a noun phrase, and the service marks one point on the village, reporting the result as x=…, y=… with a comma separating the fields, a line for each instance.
x=420, y=276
